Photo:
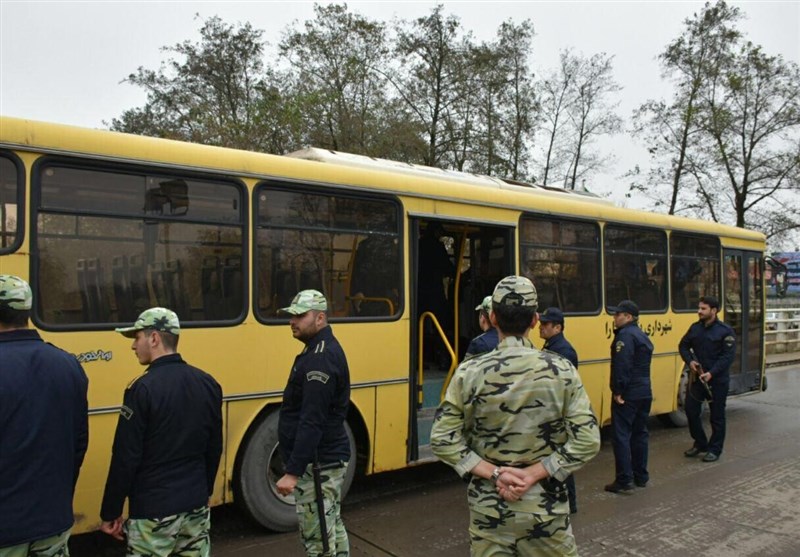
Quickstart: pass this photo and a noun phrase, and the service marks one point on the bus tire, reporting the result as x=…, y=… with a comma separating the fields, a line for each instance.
x=260, y=469
x=677, y=418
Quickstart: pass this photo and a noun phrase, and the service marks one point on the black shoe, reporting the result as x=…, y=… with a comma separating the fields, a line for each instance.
x=711, y=457
x=614, y=487
x=573, y=510
x=694, y=451
x=640, y=483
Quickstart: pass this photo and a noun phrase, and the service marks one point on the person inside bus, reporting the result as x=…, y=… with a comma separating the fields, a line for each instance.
x=44, y=431
x=167, y=447
x=551, y=329
x=434, y=267
x=488, y=339
x=708, y=348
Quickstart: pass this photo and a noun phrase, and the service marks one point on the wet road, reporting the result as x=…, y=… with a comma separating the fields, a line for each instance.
x=746, y=504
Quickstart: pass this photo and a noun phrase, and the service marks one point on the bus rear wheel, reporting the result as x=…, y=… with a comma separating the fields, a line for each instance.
x=260, y=469
x=677, y=418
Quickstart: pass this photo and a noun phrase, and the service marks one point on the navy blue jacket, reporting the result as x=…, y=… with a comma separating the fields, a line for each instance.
x=483, y=343
x=560, y=345
x=168, y=442
x=631, y=352
x=43, y=436
x=714, y=347
x=315, y=406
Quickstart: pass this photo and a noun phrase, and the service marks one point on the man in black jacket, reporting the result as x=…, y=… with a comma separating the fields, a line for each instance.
x=166, y=448
x=708, y=348
x=631, y=353
x=551, y=329
x=311, y=429
x=43, y=431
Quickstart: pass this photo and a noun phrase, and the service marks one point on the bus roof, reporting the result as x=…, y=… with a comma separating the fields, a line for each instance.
x=345, y=169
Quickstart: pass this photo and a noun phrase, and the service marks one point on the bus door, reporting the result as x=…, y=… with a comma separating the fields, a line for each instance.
x=744, y=311
x=454, y=265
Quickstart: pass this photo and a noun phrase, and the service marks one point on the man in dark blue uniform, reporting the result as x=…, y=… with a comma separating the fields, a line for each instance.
x=488, y=339
x=631, y=353
x=708, y=348
x=166, y=448
x=43, y=431
x=551, y=329
x=311, y=428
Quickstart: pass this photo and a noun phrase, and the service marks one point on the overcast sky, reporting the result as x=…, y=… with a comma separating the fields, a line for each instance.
x=64, y=61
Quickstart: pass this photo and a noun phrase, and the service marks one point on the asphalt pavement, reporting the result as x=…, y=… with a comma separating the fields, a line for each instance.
x=745, y=504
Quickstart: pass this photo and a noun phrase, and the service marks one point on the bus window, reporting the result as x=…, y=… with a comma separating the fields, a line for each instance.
x=11, y=188
x=695, y=269
x=562, y=258
x=347, y=247
x=635, y=266
x=110, y=244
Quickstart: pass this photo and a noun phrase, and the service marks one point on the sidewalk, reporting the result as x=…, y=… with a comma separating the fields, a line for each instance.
x=786, y=358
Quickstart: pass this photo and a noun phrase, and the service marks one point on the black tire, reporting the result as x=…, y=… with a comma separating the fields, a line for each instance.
x=678, y=418
x=261, y=467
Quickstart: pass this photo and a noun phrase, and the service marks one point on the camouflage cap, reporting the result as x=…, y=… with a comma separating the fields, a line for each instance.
x=515, y=291
x=15, y=293
x=485, y=305
x=157, y=319
x=306, y=300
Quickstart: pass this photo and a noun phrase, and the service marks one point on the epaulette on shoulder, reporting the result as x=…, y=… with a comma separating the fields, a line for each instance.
x=134, y=380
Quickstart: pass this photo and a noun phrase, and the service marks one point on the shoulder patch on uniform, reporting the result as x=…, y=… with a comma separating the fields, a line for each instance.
x=125, y=412
x=317, y=376
x=619, y=346
x=729, y=340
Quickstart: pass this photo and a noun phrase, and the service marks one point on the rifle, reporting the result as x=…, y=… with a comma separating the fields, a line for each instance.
x=317, y=472
x=705, y=384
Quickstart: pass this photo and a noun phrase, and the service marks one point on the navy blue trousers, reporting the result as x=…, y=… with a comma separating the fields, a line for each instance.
x=630, y=437
x=694, y=407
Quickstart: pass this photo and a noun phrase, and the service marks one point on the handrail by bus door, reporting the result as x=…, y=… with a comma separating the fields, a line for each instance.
x=421, y=371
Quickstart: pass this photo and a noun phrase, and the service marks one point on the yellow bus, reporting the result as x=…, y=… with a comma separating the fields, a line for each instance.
x=104, y=225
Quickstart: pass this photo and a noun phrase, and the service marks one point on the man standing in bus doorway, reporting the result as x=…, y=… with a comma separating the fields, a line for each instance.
x=311, y=432
x=43, y=431
x=708, y=348
x=551, y=329
x=516, y=422
x=631, y=354
x=488, y=339
x=166, y=448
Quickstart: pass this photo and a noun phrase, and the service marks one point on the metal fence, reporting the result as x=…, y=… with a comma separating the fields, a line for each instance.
x=783, y=330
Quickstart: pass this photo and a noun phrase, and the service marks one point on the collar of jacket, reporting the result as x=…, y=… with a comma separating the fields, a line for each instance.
x=165, y=361
x=20, y=334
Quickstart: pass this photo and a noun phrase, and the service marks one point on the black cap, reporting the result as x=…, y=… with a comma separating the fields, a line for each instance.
x=552, y=315
x=625, y=306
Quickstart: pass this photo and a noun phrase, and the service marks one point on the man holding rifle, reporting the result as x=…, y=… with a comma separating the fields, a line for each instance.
x=312, y=437
x=708, y=348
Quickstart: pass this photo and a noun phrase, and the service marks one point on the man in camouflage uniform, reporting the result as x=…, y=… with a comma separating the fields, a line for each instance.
x=43, y=431
x=516, y=422
x=311, y=427
x=166, y=448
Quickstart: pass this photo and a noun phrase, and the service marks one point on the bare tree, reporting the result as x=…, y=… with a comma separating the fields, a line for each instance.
x=672, y=132
x=592, y=114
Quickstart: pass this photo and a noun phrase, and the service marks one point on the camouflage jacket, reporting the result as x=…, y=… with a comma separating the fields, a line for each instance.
x=516, y=406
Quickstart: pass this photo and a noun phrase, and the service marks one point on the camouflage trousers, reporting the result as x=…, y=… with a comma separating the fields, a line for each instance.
x=180, y=535
x=306, y=503
x=54, y=546
x=521, y=535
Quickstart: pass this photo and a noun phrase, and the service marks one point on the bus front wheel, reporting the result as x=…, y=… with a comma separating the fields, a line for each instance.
x=261, y=466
